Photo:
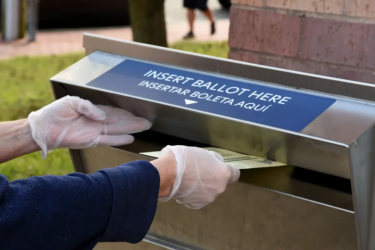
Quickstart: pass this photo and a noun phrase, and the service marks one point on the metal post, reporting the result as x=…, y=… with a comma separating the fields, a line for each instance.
x=11, y=20
x=32, y=19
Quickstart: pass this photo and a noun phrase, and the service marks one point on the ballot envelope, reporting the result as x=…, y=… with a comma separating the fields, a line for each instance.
x=237, y=160
x=304, y=144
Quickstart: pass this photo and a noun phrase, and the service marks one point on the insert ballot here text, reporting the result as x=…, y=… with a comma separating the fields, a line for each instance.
x=199, y=89
x=243, y=100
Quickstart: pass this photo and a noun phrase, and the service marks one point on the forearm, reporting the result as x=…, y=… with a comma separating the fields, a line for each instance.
x=16, y=140
x=56, y=212
x=77, y=210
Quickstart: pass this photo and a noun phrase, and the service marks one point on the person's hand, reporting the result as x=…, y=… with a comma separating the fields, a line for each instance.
x=199, y=176
x=72, y=122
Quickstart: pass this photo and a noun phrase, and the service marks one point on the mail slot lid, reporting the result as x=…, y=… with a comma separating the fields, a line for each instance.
x=219, y=95
x=263, y=104
x=203, y=121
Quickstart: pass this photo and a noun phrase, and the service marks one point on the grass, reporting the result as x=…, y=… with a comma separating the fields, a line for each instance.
x=218, y=49
x=24, y=87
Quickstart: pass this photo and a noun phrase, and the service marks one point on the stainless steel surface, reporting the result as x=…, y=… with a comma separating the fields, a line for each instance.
x=321, y=146
x=292, y=181
x=168, y=244
x=150, y=242
x=126, y=246
x=246, y=216
x=333, y=125
x=362, y=160
x=290, y=207
x=290, y=148
x=89, y=68
x=258, y=72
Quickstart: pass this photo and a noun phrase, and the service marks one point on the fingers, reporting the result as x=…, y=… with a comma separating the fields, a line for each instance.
x=199, y=205
x=129, y=125
x=201, y=176
x=120, y=121
x=87, y=109
x=114, y=114
x=117, y=121
x=117, y=140
x=234, y=174
x=216, y=155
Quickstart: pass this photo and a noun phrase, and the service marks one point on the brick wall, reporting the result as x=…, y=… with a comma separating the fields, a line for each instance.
x=327, y=37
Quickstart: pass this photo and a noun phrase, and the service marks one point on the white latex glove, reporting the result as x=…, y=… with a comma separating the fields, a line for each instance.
x=201, y=176
x=72, y=122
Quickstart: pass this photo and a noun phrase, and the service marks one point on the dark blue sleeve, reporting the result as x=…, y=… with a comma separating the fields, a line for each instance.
x=76, y=211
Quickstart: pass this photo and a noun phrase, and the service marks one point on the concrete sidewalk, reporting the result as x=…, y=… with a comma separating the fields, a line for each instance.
x=62, y=42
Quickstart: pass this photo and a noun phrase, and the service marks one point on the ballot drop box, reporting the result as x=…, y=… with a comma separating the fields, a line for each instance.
x=321, y=128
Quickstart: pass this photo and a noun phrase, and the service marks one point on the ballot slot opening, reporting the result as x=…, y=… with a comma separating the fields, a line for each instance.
x=331, y=149
x=293, y=180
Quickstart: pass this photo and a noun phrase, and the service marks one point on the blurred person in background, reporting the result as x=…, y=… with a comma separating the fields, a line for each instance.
x=191, y=6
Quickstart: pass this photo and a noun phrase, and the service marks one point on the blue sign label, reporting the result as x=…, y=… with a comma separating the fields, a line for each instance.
x=246, y=101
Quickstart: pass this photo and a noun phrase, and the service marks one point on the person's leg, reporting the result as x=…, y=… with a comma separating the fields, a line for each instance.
x=190, y=11
x=191, y=19
x=208, y=13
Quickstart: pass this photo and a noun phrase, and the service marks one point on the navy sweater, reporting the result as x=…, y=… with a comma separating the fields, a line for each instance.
x=77, y=211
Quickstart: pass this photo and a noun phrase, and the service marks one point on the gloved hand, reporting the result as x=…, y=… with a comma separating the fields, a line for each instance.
x=72, y=122
x=201, y=176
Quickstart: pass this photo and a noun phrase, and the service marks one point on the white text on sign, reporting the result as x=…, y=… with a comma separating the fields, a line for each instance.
x=243, y=93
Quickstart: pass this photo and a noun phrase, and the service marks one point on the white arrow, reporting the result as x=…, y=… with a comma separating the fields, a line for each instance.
x=188, y=102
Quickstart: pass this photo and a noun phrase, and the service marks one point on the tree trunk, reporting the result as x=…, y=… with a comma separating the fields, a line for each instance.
x=148, y=22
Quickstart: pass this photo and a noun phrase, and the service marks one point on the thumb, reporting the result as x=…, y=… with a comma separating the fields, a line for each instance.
x=86, y=108
x=234, y=174
x=217, y=155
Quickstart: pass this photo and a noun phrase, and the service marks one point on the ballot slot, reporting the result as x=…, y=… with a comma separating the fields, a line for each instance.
x=225, y=133
x=292, y=180
x=325, y=137
x=280, y=179
x=153, y=141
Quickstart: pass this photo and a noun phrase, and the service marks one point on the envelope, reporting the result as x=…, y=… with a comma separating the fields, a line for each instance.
x=240, y=161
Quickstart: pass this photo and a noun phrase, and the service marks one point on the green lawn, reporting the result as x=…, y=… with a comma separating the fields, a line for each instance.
x=24, y=87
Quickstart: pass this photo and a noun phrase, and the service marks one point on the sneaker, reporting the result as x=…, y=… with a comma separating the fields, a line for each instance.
x=213, y=28
x=189, y=35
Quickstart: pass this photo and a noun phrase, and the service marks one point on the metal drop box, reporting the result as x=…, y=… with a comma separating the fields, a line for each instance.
x=321, y=127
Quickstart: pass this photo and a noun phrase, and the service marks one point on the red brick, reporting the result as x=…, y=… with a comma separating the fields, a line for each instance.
x=235, y=55
x=368, y=53
x=360, y=8
x=303, y=5
x=264, y=32
x=248, y=2
x=286, y=63
x=306, y=66
x=248, y=57
x=242, y=56
x=318, y=6
x=366, y=76
x=334, y=7
x=348, y=73
x=338, y=42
